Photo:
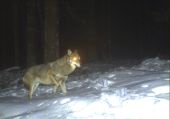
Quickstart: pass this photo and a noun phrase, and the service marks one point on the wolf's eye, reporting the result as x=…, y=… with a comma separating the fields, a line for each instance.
x=75, y=58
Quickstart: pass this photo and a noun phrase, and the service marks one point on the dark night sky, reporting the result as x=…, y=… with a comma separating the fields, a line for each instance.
x=135, y=28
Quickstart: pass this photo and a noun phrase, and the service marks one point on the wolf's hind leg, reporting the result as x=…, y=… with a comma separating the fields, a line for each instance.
x=35, y=87
x=32, y=89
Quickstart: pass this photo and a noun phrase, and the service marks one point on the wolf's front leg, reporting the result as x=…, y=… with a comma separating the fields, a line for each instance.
x=53, y=78
x=63, y=87
x=63, y=84
x=56, y=88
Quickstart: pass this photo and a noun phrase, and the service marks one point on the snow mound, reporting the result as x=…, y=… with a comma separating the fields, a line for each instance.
x=155, y=64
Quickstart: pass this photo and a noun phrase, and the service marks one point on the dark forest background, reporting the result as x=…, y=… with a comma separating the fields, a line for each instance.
x=39, y=31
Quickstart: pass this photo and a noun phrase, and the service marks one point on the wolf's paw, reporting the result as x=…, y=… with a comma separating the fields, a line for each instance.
x=65, y=92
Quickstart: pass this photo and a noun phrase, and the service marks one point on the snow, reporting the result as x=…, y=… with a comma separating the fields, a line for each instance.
x=95, y=91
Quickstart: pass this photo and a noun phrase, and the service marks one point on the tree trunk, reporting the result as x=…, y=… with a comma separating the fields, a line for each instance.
x=31, y=33
x=51, y=28
x=92, y=39
x=15, y=33
x=108, y=30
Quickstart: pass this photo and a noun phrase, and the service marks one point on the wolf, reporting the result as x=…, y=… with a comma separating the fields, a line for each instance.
x=53, y=73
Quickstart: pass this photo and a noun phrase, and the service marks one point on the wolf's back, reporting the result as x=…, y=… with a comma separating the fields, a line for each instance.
x=38, y=72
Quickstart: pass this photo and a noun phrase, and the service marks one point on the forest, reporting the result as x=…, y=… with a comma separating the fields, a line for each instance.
x=40, y=31
x=121, y=69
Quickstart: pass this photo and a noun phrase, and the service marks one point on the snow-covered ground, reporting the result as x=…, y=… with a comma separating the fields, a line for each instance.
x=95, y=91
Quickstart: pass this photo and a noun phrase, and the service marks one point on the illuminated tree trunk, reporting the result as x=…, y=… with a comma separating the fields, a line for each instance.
x=51, y=29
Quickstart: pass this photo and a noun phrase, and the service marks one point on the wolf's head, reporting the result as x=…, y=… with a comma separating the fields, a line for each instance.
x=73, y=58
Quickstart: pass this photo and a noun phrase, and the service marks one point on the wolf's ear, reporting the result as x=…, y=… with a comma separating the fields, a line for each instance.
x=69, y=52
